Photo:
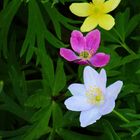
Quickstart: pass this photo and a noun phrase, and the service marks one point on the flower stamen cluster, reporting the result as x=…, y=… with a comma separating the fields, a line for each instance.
x=95, y=96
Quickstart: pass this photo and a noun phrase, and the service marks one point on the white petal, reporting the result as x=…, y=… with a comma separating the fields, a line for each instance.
x=107, y=107
x=90, y=77
x=114, y=89
x=77, y=89
x=102, y=80
x=89, y=117
x=77, y=103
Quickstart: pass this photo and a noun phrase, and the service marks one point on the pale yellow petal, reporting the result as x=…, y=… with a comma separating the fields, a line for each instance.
x=98, y=1
x=80, y=9
x=106, y=21
x=110, y=5
x=89, y=24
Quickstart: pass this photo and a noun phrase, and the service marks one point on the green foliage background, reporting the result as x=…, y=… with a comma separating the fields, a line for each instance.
x=34, y=78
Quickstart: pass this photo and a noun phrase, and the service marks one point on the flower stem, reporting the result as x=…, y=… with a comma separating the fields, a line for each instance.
x=122, y=42
x=121, y=116
x=127, y=48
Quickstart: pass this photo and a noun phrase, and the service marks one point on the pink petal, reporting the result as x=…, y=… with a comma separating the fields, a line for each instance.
x=100, y=59
x=77, y=41
x=68, y=54
x=82, y=62
x=93, y=40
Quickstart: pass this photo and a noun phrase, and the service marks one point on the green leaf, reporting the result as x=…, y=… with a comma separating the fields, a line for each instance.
x=131, y=124
x=37, y=30
x=19, y=84
x=110, y=36
x=138, y=72
x=113, y=73
x=137, y=38
x=13, y=133
x=109, y=131
x=55, y=19
x=116, y=61
x=132, y=24
x=136, y=132
x=11, y=106
x=38, y=100
x=40, y=127
x=71, y=135
x=121, y=23
x=130, y=58
x=57, y=115
x=5, y=3
x=6, y=16
x=47, y=69
x=135, y=116
x=129, y=89
x=1, y=86
x=60, y=78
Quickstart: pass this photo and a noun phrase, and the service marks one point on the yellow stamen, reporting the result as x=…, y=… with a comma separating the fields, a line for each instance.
x=95, y=96
x=85, y=55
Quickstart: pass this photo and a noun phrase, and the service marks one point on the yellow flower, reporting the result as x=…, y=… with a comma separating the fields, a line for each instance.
x=96, y=13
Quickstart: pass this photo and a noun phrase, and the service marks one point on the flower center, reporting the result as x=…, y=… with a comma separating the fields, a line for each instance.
x=97, y=9
x=85, y=55
x=95, y=96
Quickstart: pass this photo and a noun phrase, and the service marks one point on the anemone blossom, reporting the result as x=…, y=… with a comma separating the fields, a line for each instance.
x=85, y=49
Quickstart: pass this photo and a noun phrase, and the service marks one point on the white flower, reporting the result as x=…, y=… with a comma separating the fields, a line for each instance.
x=93, y=98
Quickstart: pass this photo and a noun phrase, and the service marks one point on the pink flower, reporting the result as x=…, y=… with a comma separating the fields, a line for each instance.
x=85, y=49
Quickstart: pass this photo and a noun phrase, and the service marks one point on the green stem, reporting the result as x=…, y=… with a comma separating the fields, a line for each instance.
x=127, y=48
x=121, y=116
x=122, y=40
